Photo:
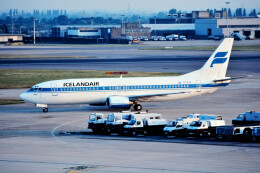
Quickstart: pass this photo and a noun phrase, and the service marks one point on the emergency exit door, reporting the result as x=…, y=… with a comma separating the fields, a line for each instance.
x=54, y=89
x=198, y=85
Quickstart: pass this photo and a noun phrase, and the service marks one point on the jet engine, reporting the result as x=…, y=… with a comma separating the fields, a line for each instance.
x=118, y=102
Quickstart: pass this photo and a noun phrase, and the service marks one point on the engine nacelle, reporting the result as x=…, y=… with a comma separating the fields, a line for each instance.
x=118, y=102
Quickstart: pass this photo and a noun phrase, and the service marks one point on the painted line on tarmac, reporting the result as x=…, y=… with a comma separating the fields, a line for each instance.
x=54, y=129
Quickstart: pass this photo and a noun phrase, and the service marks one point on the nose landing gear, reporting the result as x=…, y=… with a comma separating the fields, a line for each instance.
x=45, y=110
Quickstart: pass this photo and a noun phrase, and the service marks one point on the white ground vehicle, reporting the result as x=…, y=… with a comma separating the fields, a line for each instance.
x=179, y=126
x=169, y=37
x=161, y=38
x=235, y=132
x=97, y=122
x=154, y=38
x=182, y=37
x=204, y=127
x=144, y=38
x=175, y=37
x=151, y=124
x=116, y=121
x=242, y=127
x=251, y=117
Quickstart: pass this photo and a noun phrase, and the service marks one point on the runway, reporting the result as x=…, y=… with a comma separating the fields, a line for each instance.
x=30, y=141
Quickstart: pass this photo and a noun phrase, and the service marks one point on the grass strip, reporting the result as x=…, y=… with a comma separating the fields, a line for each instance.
x=39, y=56
x=10, y=101
x=26, y=78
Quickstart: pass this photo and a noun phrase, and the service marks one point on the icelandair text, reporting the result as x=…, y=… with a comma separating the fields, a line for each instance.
x=79, y=84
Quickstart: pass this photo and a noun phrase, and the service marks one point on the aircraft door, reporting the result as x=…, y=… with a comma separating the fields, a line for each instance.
x=124, y=88
x=54, y=89
x=198, y=85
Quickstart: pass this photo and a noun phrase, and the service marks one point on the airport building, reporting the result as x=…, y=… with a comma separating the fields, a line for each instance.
x=187, y=17
x=83, y=31
x=4, y=38
x=131, y=29
x=167, y=29
x=249, y=27
x=203, y=27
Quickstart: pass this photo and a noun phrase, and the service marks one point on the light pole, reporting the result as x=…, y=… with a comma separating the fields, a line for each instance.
x=12, y=24
x=92, y=21
x=34, y=30
x=227, y=18
x=155, y=24
x=122, y=23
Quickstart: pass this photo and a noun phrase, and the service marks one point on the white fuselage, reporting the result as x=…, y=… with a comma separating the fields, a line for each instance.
x=97, y=90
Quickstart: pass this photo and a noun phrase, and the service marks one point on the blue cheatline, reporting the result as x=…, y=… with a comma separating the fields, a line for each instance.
x=126, y=88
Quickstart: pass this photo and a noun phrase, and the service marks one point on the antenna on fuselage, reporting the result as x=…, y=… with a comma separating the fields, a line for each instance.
x=117, y=72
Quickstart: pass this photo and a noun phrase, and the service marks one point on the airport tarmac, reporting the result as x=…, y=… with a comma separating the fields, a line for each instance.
x=30, y=140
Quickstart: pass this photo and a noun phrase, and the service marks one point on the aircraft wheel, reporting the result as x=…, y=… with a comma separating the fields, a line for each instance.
x=45, y=110
x=133, y=133
x=138, y=107
x=247, y=134
x=108, y=131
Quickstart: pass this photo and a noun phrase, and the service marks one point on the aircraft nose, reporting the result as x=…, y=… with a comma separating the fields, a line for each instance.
x=23, y=96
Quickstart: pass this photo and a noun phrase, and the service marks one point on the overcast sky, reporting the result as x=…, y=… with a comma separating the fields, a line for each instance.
x=123, y=5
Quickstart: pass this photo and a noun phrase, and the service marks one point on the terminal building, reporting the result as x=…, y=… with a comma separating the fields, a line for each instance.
x=249, y=27
x=83, y=31
x=130, y=29
x=167, y=29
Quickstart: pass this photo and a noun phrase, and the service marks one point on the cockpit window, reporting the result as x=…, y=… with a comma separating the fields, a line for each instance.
x=36, y=89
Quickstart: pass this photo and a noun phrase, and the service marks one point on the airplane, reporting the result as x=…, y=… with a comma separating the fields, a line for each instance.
x=125, y=92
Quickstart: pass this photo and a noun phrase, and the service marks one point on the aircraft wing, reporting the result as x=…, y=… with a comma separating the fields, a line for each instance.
x=150, y=96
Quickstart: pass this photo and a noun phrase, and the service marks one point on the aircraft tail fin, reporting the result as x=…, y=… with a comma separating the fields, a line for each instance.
x=216, y=66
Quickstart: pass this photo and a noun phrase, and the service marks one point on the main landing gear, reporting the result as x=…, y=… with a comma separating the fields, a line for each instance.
x=137, y=107
x=45, y=110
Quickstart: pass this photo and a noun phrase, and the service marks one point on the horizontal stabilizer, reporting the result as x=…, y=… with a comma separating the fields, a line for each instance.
x=229, y=78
